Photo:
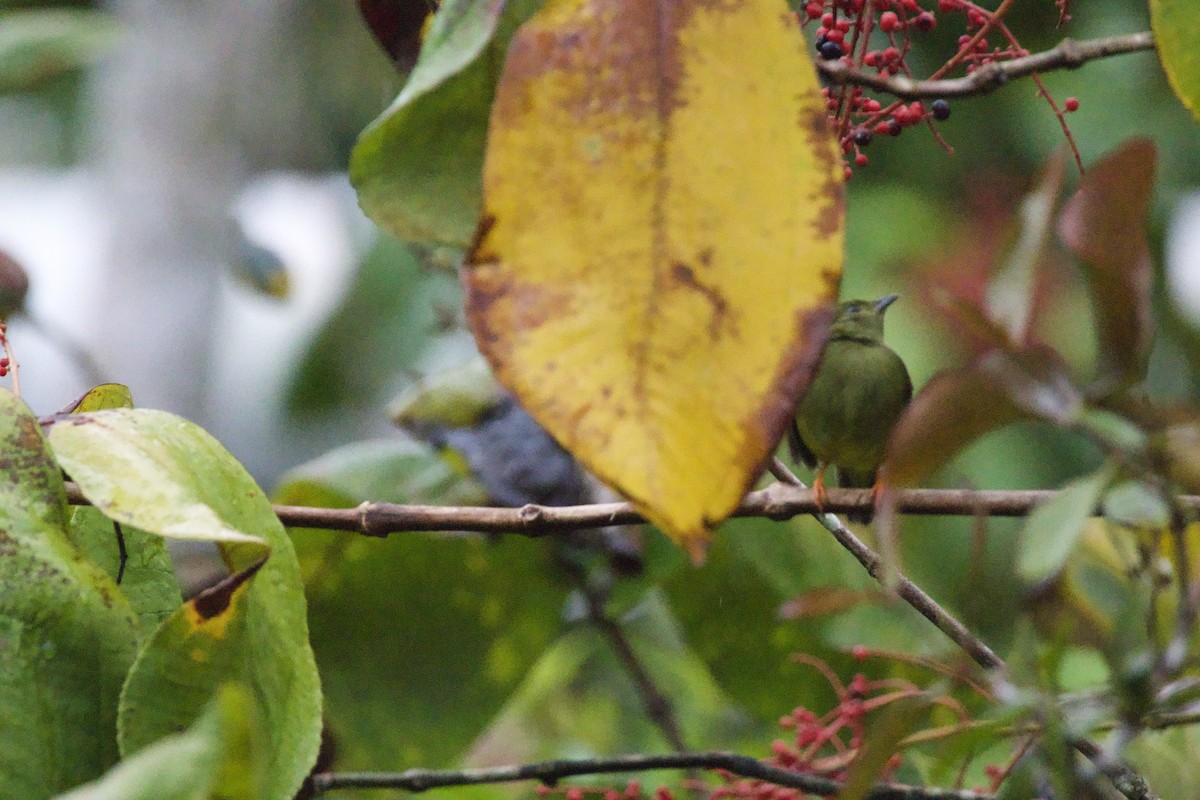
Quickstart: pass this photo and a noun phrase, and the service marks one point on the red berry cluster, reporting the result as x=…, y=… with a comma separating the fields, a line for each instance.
x=878, y=36
x=822, y=745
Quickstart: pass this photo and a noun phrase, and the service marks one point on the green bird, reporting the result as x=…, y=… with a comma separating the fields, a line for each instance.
x=859, y=391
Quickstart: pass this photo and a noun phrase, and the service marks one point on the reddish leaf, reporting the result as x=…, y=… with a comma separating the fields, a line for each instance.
x=957, y=407
x=396, y=25
x=825, y=601
x=968, y=320
x=1104, y=224
x=1012, y=293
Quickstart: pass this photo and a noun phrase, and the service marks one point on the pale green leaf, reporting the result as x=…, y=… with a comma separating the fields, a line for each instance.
x=165, y=475
x=1054, y=527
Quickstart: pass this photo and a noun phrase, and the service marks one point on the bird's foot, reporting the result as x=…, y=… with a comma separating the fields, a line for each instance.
x=820, y=496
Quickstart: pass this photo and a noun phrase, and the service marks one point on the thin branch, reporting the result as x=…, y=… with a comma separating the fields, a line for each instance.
x=914, y=595
x=1069, y=54
x=550, y=772
x=658, y=706
x=1126, y=780
x=778, y=502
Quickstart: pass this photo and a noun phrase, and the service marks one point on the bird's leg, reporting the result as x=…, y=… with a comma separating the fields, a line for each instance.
x=877, y=492
x=819, y=494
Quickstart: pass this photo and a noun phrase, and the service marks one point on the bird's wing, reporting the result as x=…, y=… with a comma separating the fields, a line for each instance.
x=798, y=449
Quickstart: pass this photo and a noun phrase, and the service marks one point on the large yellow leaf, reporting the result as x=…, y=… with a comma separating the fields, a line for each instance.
x=661, y=242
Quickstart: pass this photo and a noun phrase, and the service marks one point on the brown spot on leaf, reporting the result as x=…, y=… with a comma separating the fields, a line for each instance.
x=214, y=600
x=684, y=276
x=832, y=193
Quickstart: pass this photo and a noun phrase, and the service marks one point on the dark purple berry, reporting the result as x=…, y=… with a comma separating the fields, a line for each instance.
x=941, y=109
x=831, y=51
x=862, y=137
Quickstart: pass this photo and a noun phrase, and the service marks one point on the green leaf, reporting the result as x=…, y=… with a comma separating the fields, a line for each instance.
x=66, y=631
x=106, y=395
x=580, y=693
x=731, y=606
x=421, y=639
x=149, y=581
x=215, y=759
x=393, y=470
x=158, y=472
x=1137, y=504
x=1104, y=224
x=381, y=329
x=1054, y=527
x=1176, y=26
x=457, y=397
x=882, y=739
x=417, y=167
x=36, y=45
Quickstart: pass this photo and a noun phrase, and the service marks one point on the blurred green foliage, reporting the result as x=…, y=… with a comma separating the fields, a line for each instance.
x=438, y=648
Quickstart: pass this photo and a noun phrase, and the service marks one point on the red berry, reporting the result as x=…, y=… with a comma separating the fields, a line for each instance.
x=881, y=128
x=1071, y=104
x=814, y=10
x=847, y=173
x=871, y=58
x=827, y=21
x=861, y=160
x=574, y=793
x=842, y=25
x=888, y=21
x=859, y=652
x=835, y=35
x=947, y=5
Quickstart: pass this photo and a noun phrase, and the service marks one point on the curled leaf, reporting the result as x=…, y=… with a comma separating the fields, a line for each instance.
x=957, y=407
x=1104, y=224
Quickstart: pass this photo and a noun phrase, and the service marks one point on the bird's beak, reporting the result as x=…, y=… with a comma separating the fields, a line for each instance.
x=882, y=303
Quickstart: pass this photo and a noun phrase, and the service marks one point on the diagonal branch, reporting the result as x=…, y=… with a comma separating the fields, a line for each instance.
x=1126, y=780
x=1069, y=54
x=550, y=772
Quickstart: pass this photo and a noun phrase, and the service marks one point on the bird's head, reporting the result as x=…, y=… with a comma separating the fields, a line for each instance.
x=861, y=319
